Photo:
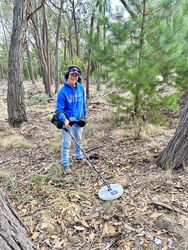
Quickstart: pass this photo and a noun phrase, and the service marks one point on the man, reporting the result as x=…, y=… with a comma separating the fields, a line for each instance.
x=71, y=106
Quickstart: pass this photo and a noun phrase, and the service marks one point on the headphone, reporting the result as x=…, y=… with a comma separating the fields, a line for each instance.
x=68, y=71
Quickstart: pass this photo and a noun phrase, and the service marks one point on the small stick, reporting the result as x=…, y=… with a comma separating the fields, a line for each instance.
x=170, y=207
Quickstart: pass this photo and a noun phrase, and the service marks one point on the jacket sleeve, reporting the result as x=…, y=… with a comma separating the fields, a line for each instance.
x=84, y=104
x=60, y=105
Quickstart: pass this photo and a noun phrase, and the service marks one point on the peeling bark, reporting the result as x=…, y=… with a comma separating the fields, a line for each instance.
x=175, y=155
x=13, y=234
x=15, y=94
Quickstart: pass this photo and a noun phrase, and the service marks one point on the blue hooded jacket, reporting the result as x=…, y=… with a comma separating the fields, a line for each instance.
x=71, y=102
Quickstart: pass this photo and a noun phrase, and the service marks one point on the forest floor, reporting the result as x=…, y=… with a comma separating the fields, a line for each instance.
x=64, y=211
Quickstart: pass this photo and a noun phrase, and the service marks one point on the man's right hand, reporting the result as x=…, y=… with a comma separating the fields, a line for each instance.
x=67, y=125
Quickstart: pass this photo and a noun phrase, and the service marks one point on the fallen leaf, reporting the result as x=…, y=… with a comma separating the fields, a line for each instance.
x=109, y=230
x=165, y=248
x=35, y=235
x=128, y=247
x=54, y=236
x=50, y=182
x=129, y=228
x=44, y=225
x=59, y=243
x=79, y=228
x=155, y=215
x=74, y=196
x=91, y=236
x=74, y=239
x=84, y=223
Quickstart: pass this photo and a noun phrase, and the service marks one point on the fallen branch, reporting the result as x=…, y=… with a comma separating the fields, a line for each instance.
x=170, y=207
x=91, y=149
x=138, y=192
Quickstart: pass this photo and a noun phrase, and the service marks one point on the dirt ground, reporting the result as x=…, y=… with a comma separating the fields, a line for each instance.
x=64, y=211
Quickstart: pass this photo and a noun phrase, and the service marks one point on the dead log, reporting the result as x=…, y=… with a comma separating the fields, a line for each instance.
x=13, y=234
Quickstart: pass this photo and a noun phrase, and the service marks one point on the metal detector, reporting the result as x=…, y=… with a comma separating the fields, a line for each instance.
x=109, y=191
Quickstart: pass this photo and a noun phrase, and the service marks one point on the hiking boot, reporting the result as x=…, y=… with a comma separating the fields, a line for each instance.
x=67, y=171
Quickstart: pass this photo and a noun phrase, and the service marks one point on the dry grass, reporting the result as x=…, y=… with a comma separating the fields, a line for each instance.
x=54, y=144
x=54, y=147
x=107, y=117
x=4, y=176
x=120, y=134
x=148, y=130
x=3, y=110
x=90, y=130
x=15, y=141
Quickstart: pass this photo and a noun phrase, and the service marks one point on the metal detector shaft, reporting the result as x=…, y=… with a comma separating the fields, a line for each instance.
x=88, y=161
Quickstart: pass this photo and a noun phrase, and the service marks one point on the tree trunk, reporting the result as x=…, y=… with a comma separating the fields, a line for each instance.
x=132, y=13
x=45, y=36
x=65, y=51
x=15, y=94
x=89, y=57
x=98, y=66
x=70, y=46
x=1, y=72
x=175, y=155
x=76, y=29
x=104, y=25
x=3, y=76
x=4, y=33
x=30, y=67
x=57, y=72
x=42, y=49
x=141, y=44
x=25, y=67
x=13, y=235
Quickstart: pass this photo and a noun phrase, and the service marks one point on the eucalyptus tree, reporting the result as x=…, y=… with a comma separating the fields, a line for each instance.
x=76, y=28
x=89, y=56
x=41, y=36
x=5, y=27
x=56, y=53
x=15, y=93
x=75, y=25
x=29, y=64
x=102, y=6
x=90, y=42
x=175, y=154
x=13, y=234
x=96, y=40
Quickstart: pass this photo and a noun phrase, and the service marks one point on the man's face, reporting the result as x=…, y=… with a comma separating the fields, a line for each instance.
x=73, y=78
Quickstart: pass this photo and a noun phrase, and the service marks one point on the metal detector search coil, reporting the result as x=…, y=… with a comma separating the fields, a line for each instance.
x=114, y=193
x=109, y=191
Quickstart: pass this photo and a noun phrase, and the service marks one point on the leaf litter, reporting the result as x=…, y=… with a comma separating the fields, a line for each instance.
x=64, y=212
